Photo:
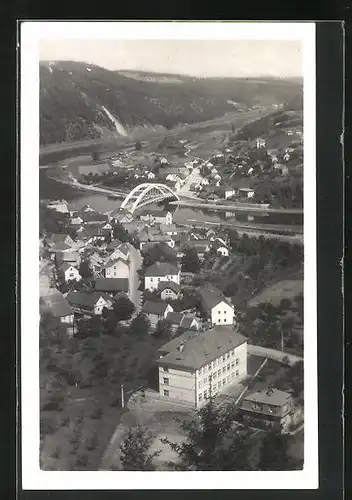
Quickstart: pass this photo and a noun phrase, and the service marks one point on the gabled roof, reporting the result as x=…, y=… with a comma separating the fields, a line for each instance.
x=111, y=285
x=158, y=308
x=65, y=266
x=124, y=249
x=60, y=246
x=93, y=217
x=85, y=299
x=211, y=297
x=168, y=285
x=58, y=238
x=110, y=263
x=187, y=321
x=68, y=256
x=57, y=304
x=200, y=348
x=113, y=244
x=273, y=397
x=161, y=269
x=174, y=317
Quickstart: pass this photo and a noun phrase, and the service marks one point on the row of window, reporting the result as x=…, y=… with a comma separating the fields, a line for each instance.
x=169, y=278
x=218, y=385
x=217, y=374
x=219, y=312
x=218, y=361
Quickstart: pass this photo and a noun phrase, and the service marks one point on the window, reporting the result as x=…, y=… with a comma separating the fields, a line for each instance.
x=233, y=353
x=224, y=369
x=227, y=355
x=232, y=364
x=271, y=409
x=215, y=375
x=71, y=275
x=219, y=373
x=257, y=406
x=224, y=320
x=158, y=279
x=228, y=367
x=151, y=280
x=166, y=381
x=224, y=312
x=237, y=361
x=209, y=379
x=223, y=358
x=219, y=312
x=205, y=394
x=237, y=373
x=223, y=381
x=200, y=397
x=219, y=320
x=166, y=393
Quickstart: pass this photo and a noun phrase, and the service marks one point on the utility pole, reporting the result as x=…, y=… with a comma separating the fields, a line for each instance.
x=122, y=397
x=282, y=341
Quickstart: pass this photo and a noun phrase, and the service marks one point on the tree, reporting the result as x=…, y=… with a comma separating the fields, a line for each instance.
x=123, y=308
x=135, y=450
x=85, y=270
x=120, y=233
x=159, y=253
x=190, y=260
x=213, y=440
x=140, y=324
x=273, y=453
x=163, y=329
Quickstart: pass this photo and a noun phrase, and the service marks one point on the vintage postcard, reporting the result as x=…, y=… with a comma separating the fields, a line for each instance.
x=169, y=333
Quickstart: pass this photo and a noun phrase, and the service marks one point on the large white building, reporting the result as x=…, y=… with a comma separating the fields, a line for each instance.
x=160, y=271
x=216, y=306
x=197, y=365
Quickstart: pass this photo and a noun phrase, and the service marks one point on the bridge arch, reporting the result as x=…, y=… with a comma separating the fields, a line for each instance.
x=147, y=193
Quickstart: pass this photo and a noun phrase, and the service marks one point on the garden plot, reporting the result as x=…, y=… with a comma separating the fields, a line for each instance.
x=287, y=289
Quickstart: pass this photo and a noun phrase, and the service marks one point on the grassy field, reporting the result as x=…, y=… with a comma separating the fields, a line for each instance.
x=286, y=289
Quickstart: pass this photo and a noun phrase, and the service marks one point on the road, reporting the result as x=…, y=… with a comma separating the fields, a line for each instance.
x=135, y=295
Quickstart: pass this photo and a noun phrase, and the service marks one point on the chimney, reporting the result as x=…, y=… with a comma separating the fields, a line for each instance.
x=180, y=347
x=269, y=391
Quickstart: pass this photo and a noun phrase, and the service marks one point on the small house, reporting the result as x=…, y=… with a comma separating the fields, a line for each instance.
x=59, y=308
x=216, y=307
x=156, y=311
x=160, y=271
x=89, y=303
x=69, y=272
x=117, y=268
x=112, y=286
x=260, y=143
x=246, y=192
x=168, y=290
x=157, y=216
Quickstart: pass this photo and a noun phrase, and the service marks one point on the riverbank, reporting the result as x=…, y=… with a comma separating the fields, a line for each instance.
x=237, y=207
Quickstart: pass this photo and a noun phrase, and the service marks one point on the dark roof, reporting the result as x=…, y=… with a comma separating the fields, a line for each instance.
x=65, y=266
x=58, y=305
x=60, y=246
x=111, y=285
x=174, y=318
x=151, y=307
x=112, y=262
x=58, y=238
x=85, y=299
x=200, y=348
x=93, y=217
x=113, y=245
x=161, y=269
x=164, y=285
x=156, y=213
x=273, y=397
x=71, y=256
x=211, y=296
x=187, y=321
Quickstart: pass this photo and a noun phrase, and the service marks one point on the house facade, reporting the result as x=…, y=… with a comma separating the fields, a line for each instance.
x=216, y=306
x=117, y=268
x=158, y=217
x=168, y=290
x=70, y=273
x=269, y=407
x=88, y=303
x=197, y=365
x=160, y=271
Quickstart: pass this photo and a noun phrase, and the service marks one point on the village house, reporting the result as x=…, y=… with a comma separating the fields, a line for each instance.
x=69, y=272
x=76, y=220
x=121, y=251
x=184, y=321
x=151, y=175
x=269, y=407
x=246, y=192
x=63, y=238
x=59, y=206
x=196, y=365
x=91, y=234
x=96, y=262
x=88, y=303
x=168, y=290
x=160, y=271
x=156, y=311
x=157, y=216
x=201, y=247
x=93, y=217
x=117, y=268
x=150, y=237
x=73, y=209
x=56, y=304
x=229, y=192
x=112, y=286
x=120, y=216
x=216, y=306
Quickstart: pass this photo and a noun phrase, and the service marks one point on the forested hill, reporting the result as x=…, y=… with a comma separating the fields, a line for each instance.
x=81, y=101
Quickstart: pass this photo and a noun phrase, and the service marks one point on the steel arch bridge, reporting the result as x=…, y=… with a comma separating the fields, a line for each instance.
x=147, y=193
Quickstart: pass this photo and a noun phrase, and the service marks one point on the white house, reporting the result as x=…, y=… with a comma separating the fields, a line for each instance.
x=216, y=306
x=88, y=303
x=229, y=192
x=196, y=365
x=157, y=216
x=70, y=273
x=160, y=271
x=151, y=175
x=117, y=268
x=163, y=161
x=76, y=220
x=156, y=311
x=168, y=290
x=246, y=192
x=260, y=143
x=59, y=206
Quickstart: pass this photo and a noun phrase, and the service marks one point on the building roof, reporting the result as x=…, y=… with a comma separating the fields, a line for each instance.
x=112, y=262
x=111, y=285
x=211, y=296
x=161, y=269
x=69, y=256
x=60, y=246
x=200, y=348
x=90, y=216
x=124, y=249
x=150, y=307
x=113, y=244
x=65, y=266
x=156, y=213
x=246, y=190
x=58, y=238
x=168, y=285
x=175, y=318
x=57, y=304
x=187, y=321
x=85, y=299
x=273, y=397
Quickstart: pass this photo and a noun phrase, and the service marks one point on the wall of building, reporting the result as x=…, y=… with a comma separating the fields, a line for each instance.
x=180, y=386
x=151, y=282
x=168, y=294
x=222, y=314
x=118, y=270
